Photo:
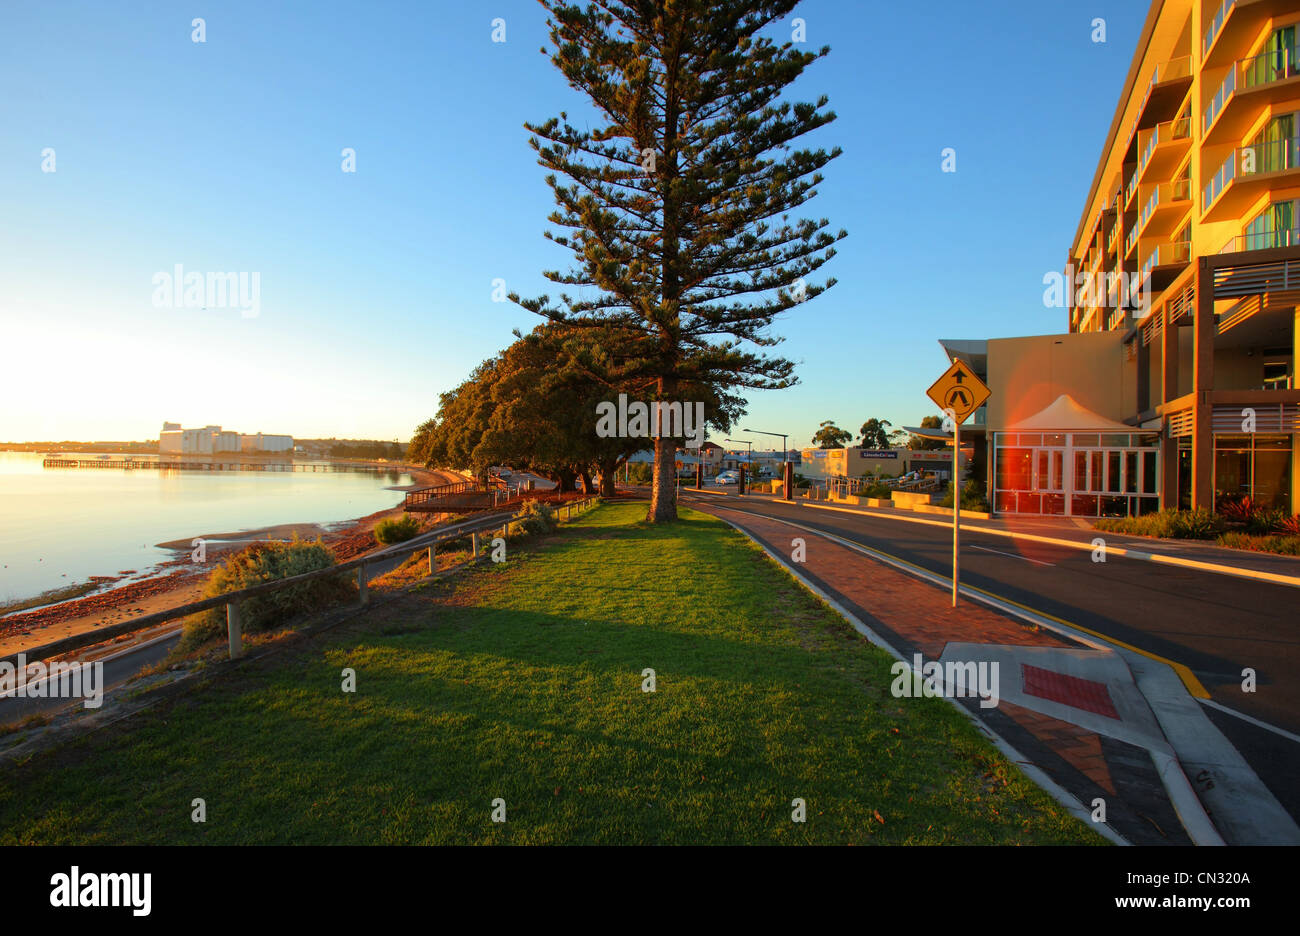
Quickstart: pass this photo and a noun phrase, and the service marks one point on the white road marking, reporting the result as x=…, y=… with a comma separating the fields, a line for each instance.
x=1013, y=555
x=1254, y=721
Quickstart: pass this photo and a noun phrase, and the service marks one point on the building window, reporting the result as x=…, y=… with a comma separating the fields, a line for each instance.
x=1254, y=466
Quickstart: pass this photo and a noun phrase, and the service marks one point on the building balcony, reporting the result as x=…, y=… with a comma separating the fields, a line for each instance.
x=1234, y=26
x=1263, y=240
x=1163, y=148
x=1248, y=172
x=1164, y=94
x=1248, y=87
x=1163, y=265
x=1130, y=189
x=1167, y=205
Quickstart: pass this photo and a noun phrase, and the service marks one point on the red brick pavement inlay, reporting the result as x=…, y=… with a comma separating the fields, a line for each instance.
x=1086, y=694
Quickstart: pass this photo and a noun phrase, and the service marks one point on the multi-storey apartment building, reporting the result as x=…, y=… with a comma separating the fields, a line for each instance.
x=1185, y=276
x=1190, y=245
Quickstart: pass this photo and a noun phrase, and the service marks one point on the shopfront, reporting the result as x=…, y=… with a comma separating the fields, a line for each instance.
x=1070, y=462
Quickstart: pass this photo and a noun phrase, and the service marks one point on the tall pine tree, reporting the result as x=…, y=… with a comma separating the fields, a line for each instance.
x=677, y=206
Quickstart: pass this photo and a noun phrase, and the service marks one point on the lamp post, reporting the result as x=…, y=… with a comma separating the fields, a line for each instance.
x=749, y=462
x=785, y=454
x=787, y=469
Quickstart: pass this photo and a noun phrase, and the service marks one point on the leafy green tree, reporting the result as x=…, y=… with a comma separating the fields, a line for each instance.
x=677, y=195
x=873, y=434
x=918, y=444
x=831, y=436
x=533, y=407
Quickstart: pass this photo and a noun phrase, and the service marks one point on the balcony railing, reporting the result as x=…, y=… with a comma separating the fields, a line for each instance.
x=1212, y=31
x=1275, y=65
x=1220, y=98
x=1165, y=255
x=1130, y=240
x=1262, y=240
x=1149, y=208
x=1256, y=159
x=1219, y=181
x=1178, y=129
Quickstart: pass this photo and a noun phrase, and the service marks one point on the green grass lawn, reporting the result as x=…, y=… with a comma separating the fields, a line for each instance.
x=524, y=682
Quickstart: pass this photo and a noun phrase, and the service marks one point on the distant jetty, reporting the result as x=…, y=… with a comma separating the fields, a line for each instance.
x=190, y=464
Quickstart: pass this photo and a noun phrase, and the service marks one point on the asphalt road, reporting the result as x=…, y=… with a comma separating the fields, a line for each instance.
x=1216, y=625
x=118, y=668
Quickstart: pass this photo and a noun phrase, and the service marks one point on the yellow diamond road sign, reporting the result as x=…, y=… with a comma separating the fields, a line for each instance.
x=959, y=390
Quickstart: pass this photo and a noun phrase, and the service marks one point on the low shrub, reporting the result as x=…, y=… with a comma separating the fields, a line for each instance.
x=1266, y=520
x=396, y=529
x=1167, y=524
x=972, y=497
x=266, y=562
x=1290, y=526
x=1282, y=545
x=535, y=517
x=1236, y=509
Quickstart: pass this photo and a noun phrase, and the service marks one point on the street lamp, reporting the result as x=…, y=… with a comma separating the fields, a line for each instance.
x=749, y=459
x=785, y=456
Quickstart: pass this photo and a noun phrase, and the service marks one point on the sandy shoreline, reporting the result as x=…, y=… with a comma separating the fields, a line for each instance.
x=180, y=580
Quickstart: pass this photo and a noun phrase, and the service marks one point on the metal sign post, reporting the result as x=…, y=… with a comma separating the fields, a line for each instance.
x=956, y=511
x=958, y=393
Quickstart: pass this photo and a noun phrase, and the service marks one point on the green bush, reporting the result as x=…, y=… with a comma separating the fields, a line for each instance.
x=1266, y=520
x=535, y=517
x=640, y=472
x=1167, y=524
x=267, y=562
x=1282, y=545
x=396, y=530
x=972, y=497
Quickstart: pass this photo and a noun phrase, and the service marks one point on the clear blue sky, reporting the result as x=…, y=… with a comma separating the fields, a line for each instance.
x=376, y=286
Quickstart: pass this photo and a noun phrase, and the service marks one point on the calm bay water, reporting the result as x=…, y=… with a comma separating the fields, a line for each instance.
x=59, y=526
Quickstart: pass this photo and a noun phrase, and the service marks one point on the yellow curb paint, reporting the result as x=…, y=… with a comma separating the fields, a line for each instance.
x=1184, y=673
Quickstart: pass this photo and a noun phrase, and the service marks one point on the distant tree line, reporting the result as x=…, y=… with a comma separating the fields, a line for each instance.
x=874, y=435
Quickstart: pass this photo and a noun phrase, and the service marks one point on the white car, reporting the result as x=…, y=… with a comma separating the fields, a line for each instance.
x=727, y=477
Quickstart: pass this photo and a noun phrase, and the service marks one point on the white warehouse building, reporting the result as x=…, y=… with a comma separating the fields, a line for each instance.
x=213, y=440
x=261, y=442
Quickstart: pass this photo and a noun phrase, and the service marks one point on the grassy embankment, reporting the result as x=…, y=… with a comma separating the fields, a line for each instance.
x=524, y=682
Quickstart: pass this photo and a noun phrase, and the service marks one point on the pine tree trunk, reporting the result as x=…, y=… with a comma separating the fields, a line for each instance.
x=663, y=496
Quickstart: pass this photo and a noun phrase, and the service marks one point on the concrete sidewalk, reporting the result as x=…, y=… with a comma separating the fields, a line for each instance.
x=1078, y=534
x=1073, y=709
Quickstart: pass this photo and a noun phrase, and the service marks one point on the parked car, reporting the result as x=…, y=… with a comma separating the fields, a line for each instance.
x=727, y=477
